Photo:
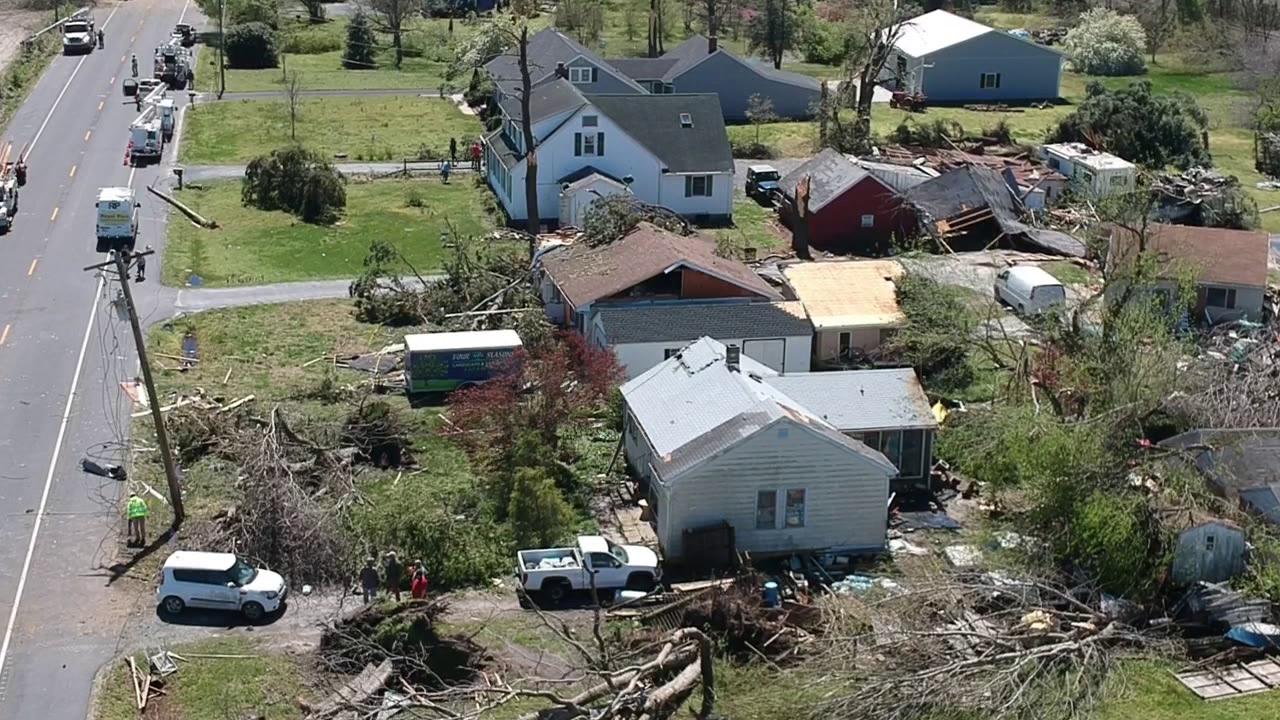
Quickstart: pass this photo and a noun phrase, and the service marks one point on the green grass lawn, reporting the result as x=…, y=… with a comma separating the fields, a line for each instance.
x=753, y=226
x=1067, y=273
x=253, y=247
x=1148, y=691
x=211, y=688
x=364, y=128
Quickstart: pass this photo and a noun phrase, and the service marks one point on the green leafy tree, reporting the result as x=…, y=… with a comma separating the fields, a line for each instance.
x=1152, y=130
x=539, y=515
x=1105, y=42
x=251, y=46
x=361, y=43
x=937, y=334
x=775, y=29
x=296, y=180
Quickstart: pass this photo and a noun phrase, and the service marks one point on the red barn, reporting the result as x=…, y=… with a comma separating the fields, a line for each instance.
x=854, y=206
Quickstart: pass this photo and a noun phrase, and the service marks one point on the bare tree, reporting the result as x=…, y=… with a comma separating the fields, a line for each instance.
x=655, y=28
x=711, y=11
x=1159, y=20
x=390, y=16
x=874, y=31
x=293, y=101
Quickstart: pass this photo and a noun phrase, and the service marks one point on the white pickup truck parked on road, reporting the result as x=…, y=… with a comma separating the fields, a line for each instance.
x=555, y=573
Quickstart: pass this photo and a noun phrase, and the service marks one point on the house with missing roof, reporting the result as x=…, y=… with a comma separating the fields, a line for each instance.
x=853, y=207
x=648, y=266
x=1229, y=267
x=715, y=442
x=884, y=408
x=700, y=65
x=777, y=335
x=667, y=150
x=852, y=304
x=951, y=59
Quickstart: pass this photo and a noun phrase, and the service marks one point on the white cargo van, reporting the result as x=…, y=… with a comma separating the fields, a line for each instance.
x=1030, y=290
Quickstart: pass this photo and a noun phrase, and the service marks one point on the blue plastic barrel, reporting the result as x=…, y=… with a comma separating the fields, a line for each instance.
x=771, y=598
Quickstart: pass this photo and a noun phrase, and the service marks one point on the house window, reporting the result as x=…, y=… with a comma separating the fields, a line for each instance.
x=580, y=75
x=697, y=186
x=1054, y=164
x=795, y=508
x=766, y=509
x=912, y=462
x=588, y=144
x=1220, y=297
x=846, y=344
x=868, y=221
x=1116, y=180
x=989, y=81
x=590, y=120
x=1209, y=543
x=902, y=69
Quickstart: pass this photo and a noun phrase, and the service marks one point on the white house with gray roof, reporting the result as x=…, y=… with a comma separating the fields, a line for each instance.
x=668, y=150
x=551, y=52
x=885, y=408
x=775, y=334
x=716, y=442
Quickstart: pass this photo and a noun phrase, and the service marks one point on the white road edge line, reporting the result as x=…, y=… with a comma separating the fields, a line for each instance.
x=62, y=428
x=44, y=124
x=185, y=5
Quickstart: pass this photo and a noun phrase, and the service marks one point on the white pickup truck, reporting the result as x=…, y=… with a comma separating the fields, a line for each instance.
x=555, y=573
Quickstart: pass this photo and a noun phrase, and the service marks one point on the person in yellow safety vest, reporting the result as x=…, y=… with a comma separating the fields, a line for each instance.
x=136, y=509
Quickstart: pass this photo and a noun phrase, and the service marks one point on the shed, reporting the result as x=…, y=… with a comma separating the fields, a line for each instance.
x=852, y=303
x=951, y=59
x=580, y=190
x=851, y=209
x=1207, y=549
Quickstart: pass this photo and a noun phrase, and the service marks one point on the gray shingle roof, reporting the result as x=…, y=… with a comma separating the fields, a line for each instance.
x=547, y=48
x=686, y=322
x=547, y=98
x=899, y=177
x=692, y=51
x=654, y=122
x=831, y=175
x=691, y=407
x=861, y=400
x=644, y=68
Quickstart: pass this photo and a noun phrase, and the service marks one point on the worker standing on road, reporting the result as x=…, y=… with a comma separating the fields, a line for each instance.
x=141, y=264
x=101, y=40
x=135, y=64
x=136, y=509
x=369, y=581
x=391, y=574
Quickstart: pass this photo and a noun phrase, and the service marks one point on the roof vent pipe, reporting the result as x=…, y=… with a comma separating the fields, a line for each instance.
x=732, y=357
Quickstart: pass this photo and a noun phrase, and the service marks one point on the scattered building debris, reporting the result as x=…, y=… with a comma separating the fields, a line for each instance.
x=1204, y=197
x=1234, y=680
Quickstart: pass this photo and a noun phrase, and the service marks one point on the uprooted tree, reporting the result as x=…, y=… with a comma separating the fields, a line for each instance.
x=297, y=180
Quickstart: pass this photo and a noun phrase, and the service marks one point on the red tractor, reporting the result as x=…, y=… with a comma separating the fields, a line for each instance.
x=911, y=102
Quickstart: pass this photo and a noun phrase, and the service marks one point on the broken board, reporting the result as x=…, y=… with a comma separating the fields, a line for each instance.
x=1235, y=680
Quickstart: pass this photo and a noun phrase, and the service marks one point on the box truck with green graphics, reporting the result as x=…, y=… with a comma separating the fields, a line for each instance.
x=447, y=361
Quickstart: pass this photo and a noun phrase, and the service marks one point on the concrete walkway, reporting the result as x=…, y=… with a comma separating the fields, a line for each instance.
x=197, y=299
x=357, y=92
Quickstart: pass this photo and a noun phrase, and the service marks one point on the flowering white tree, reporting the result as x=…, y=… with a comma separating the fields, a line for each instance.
x=1105, y=42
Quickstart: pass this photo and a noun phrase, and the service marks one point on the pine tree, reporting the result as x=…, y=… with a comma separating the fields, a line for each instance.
x=360, y=44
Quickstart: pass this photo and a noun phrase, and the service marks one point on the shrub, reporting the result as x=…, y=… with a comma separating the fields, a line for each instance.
x=823, y=42
x=310, y=42
x=361, y=43
x=1105, y=42
x=266, y=12
x=297, y=181
x=936, y=134
x=252, y=46
x=538, y=512
x=751, y=150
x=1147, y=129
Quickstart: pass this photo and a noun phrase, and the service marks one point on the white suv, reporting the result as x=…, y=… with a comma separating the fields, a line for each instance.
x=220, y=581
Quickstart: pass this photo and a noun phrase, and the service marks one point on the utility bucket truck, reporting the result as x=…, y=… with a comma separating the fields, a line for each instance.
x=148, y=131
x=117, y=219
x=8, y=188
x=173, y=65
x=78, y=35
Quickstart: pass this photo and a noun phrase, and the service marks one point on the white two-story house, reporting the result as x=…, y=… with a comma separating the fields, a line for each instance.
x=667, y=150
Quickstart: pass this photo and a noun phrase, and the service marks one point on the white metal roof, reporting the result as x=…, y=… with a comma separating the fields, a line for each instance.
x=861, y=400
x=195, y=560
x=935, y=31
x=115, y=194
x=1087, y=156
x=474, y=340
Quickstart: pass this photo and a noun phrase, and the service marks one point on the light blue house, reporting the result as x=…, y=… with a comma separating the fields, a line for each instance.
x=950, y=59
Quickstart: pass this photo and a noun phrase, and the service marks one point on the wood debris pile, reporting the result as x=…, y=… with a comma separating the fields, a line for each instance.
x=1235, y=381
x=405, y=634
x=1205, y=197
x=988, y=645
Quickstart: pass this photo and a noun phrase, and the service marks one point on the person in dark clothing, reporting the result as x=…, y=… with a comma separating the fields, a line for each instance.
x=391, y=574
x=453, y=149
x=369, y=581
x=141, y=263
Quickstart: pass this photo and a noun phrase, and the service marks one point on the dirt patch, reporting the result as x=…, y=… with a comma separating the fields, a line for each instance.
x=15, y=26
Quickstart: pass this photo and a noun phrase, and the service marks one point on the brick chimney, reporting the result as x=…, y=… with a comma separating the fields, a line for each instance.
x=712, y=44
x=562, y=71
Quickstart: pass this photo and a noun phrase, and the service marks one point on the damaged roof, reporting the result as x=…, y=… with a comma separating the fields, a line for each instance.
x=1217, y=255
x=847, y=293
x=692, y=406
x=831, y=175
x=586, y=273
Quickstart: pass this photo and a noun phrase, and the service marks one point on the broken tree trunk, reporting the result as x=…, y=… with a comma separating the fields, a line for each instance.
x=195, y=216
x=355, y=694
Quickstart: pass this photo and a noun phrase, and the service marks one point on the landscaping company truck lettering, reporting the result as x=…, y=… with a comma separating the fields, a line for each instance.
x=442, y=362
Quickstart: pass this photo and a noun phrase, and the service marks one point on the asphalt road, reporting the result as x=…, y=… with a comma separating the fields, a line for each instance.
x=63, y=352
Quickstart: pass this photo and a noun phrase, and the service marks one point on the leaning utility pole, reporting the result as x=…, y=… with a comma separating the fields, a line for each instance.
x=222, y=40
x=153, y=400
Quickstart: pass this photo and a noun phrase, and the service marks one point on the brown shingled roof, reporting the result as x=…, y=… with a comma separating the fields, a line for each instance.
x=585, y=273
x=1217, y=255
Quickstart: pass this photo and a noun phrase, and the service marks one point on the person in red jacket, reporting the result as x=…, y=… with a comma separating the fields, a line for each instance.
x=419, y=586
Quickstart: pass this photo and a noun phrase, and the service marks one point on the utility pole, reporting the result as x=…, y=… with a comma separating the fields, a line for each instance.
x=162, y=437
x=222, y=40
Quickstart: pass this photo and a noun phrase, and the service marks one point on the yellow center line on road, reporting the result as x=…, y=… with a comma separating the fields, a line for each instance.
x=87, y=133
x=54, y=216
x=73, y=171
x=32, y=270
x=4, y=335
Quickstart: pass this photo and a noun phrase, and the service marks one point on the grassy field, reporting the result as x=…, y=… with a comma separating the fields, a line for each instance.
x=212, y=688
x=1148, y=691
x=753, y=226
x=1067, y=273
x=253, y=247
x=363, y=128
